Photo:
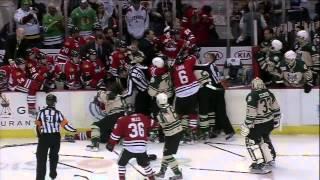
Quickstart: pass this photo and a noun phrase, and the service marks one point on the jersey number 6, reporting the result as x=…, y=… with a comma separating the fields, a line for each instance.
x=136, y=129
x=183, y=77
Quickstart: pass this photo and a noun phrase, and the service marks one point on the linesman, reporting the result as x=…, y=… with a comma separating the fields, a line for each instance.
x=48, y=124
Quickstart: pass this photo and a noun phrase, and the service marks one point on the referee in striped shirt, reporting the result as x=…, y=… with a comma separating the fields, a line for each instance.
x=48, y=124
x=222, y=120
x=137, y=81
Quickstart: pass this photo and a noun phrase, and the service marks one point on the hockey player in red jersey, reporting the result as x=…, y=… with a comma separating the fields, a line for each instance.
x=18, y=81
x=48, y=72
x=72, y=42
x=170, y=46
x=134, y=129
x=72, y=71
x=186, y=89
x=186, y=34
x=32, y=63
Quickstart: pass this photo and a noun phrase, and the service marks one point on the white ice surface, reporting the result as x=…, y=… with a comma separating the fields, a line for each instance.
x=19, y=163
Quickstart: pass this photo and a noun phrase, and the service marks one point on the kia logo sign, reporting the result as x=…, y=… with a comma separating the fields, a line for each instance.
x=217, y=54
x=243, y=55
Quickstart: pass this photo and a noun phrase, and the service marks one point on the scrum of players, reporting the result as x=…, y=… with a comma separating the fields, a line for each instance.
x=170, y=85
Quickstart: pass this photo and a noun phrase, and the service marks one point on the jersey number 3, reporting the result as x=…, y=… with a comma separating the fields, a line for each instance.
x=137, y=129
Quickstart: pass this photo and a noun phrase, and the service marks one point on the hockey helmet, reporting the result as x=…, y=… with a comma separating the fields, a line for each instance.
x=158, y=62
x=20, y=61
x=51, y=100
x=290, y=57
x=276, y=45
x=123, y=44
x=92, y=54
x=303, y=35
x=162, y=100
x=75, y=57
x=257, y=84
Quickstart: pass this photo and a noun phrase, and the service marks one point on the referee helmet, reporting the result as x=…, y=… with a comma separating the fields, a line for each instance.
x=51, y=100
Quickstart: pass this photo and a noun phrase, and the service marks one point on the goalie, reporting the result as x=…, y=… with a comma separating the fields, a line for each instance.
x=263, y=115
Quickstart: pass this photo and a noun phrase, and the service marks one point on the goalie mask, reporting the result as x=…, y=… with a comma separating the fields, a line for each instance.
x=51, y=100
x=257, y=84
x=290, y=58
x=162, y=100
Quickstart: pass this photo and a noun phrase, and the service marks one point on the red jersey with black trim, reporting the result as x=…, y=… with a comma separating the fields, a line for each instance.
x=69, y=44
x=170, y=46
x=18, y=79
x=72, y=72
x=134, y=130
x=184, y=80
x=118, y=62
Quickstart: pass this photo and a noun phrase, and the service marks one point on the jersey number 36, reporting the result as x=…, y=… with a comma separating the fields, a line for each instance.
x=137, y=129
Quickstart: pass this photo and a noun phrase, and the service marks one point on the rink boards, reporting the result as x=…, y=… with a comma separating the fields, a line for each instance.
x=300, y=110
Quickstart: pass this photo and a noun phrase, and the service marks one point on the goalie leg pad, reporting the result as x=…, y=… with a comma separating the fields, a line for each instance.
x=267, y=140
x=254, y=150
x=266, y=152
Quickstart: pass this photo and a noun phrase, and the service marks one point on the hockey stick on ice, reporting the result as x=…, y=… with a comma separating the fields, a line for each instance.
x=23, y=144
x=222, y=143
x=86, y=170
x=132, y=165
x=93, y=157
x=233, y=171
x=307, y=155
x=224, y=150
x=85, y=177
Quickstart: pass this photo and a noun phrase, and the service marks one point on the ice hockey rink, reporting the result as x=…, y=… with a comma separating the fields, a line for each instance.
x=298, y=159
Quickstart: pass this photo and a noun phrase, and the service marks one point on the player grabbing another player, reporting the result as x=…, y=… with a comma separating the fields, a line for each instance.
x=172, y=130
x=134, y=129
x=263, y=115
x=48, y=124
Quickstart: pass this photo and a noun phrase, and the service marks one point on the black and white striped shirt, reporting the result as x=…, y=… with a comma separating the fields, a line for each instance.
x=136, y=80
x=213, y=71
x=49, y=121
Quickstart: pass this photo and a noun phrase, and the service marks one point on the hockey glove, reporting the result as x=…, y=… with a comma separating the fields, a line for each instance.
x=244, y=130
x=109, y=147
x=307, y=88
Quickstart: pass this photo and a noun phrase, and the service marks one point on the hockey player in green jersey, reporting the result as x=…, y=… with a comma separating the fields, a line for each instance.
x=263, y=115
x=172, y=130
x=308, y=53
x=270, y=62
x=84, y=17
x=295, y=72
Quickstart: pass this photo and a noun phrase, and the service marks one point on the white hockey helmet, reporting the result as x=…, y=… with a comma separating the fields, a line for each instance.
x=290, y=57
x=303, y=35
x=276, y=45
x=158, y=62
x=162, y=100
x=257, y=84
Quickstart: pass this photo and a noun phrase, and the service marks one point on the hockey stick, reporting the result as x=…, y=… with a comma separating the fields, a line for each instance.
x=82, y=169
x=307, y=155
x=224, y=150
x=233, y=171
x=71, y=155
x=85, y=177
x=93, y=157
x=24, y=144
x=132, y=165
x=221, y=143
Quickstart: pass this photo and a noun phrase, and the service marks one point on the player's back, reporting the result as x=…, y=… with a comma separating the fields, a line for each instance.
x=263, y=100
x=134, y=130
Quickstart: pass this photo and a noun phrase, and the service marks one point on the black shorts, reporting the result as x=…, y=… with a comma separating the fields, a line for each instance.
x=261, y=131
x=206, y=100
x=171, y=144
x=125, y=156
x=186, y=105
